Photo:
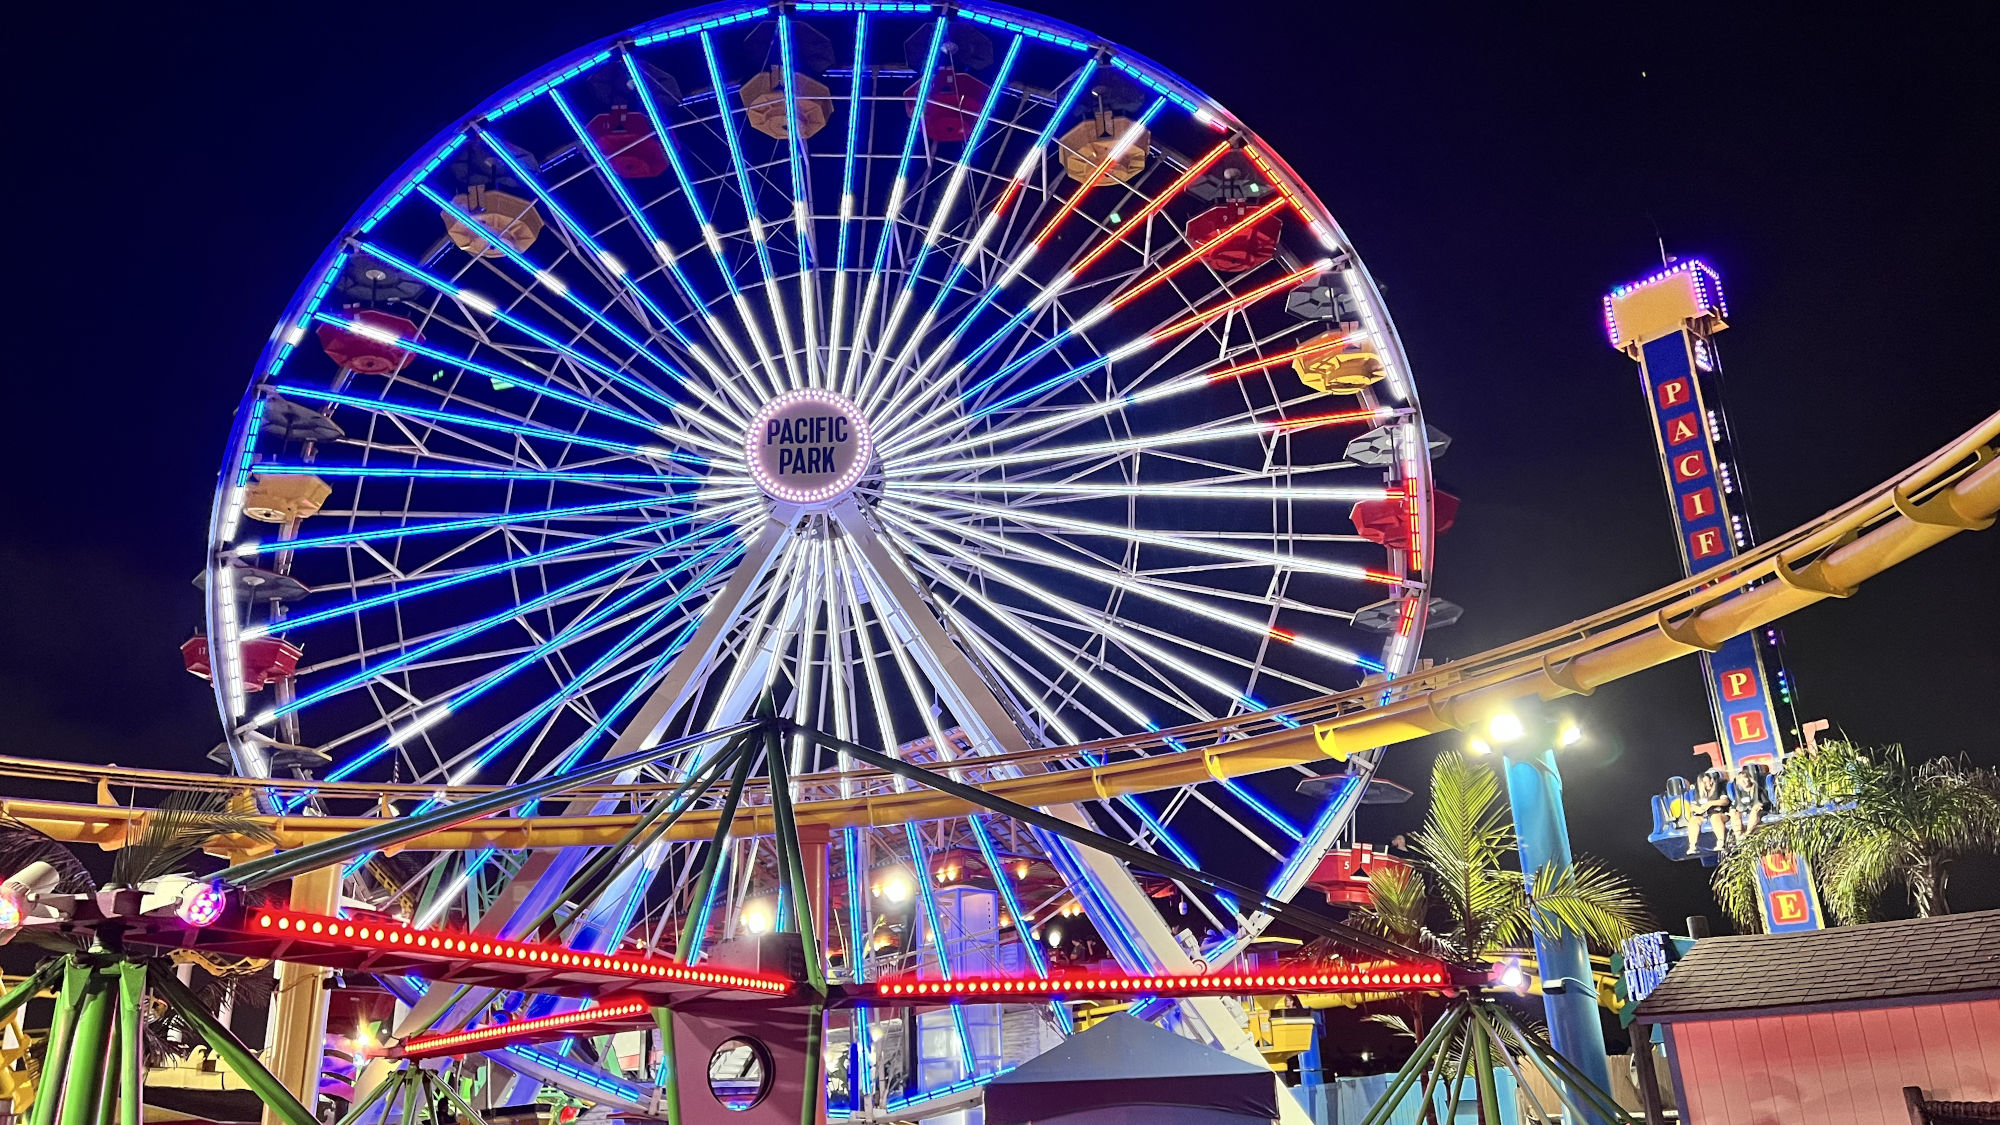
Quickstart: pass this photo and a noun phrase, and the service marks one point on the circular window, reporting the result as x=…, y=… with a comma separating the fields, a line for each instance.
x=740, y=1073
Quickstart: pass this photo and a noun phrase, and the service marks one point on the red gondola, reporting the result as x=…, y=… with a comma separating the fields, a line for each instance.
x=367, y=348
x=1343, y=875
x=1249, y=247
x=1387, y=521
x=954, y=105
x=264, y=659
x=628, y=144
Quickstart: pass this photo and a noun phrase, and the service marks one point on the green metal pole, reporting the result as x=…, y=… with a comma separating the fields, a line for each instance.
x=1432, y=1075
x=625, y=851
x=132, y=1042
x=1520, y=1079
x=1407, y=1077
x=723, y=823
x=1482, y=1075
x=1458, y=1072
x=83, y=1079
x=48, y=976
x=787, y=830
x=105, y=1112
x=240, y=1059
x=413, y=1090
x=367, y=1103
x=455, y=1098
x=815, y=1078
x=669, y=1072
x=284, y=865
x=62, y=1035
x=1578, y=1084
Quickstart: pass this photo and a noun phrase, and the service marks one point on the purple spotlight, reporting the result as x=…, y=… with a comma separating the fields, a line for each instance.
x=202, y=904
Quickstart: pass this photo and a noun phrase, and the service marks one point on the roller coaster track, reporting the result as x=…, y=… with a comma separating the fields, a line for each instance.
x=1955, y=489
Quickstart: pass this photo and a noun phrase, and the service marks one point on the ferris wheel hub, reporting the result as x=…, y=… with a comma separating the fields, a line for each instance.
x=808, y=447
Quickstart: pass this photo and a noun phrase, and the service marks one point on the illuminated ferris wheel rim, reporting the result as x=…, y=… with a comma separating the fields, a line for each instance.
x=290, y=329
x=734, y=431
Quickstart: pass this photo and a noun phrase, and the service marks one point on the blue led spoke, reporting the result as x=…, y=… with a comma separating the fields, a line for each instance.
x=972, y=140
x=965, y=257
x=898, y=188
x=801, y=202
x=1048, y=384
x=639, y=386
x=847, y=193
x=921, y=860
x=930, y=241
x=1160, y=832
x=708, y=235
x=753, y=220
x=510, y=613
x=550, y=281
x=857, y=908
x=1013, y=905
x=569, y=632
x=526, y=429
x=346, y=538
x=481, y=625
x=1131, y=952
x=397, y=472
x=529, y=382
x=1263, y=809
x=659, y=665
x=477, y=573
x=610, y=263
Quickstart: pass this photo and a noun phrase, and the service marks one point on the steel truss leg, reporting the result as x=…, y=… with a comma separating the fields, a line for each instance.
x=972, y=700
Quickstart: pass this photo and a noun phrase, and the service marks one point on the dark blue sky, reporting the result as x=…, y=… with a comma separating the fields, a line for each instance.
x=177, y=169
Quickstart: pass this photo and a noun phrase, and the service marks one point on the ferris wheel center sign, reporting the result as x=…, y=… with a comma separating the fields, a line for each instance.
x=808, y=447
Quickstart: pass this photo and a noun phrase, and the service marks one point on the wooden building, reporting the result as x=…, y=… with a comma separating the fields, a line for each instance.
x=1832, y=1027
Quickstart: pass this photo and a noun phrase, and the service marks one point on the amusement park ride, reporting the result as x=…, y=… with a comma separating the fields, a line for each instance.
x=770, y=511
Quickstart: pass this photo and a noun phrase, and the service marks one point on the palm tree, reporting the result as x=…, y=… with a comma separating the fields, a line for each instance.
x=1460, y=864
x=1864, y=821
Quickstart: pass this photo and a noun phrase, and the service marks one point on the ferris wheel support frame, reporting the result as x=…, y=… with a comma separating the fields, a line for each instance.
x=1118, y=904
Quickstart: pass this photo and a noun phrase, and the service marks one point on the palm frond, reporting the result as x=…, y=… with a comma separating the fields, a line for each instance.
x=185, y=822
x=1587, y=900
x=1393, y=1022
x=21, y=845
x=1866, y=820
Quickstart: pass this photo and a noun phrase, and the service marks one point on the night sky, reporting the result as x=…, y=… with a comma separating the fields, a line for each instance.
x=177, y=169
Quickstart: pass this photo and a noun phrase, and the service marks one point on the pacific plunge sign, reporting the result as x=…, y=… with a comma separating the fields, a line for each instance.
x=808, y=447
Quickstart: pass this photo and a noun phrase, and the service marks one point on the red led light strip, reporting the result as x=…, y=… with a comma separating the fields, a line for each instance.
x=1287, y=356
x=1170, y=193
x=463, y=1042
x=1398, y=978
x=1196, y=320
x=477, y=947
x=1193, y=254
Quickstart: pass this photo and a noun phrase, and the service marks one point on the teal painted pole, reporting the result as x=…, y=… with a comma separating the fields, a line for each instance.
x=1534, y=790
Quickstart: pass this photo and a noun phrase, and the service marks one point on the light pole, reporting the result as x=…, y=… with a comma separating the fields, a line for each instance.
x=1534, y=790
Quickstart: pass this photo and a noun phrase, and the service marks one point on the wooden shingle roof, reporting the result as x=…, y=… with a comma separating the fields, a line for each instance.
x=1848, y=966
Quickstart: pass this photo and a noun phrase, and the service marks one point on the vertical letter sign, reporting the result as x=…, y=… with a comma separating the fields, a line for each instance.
x=1667, y=323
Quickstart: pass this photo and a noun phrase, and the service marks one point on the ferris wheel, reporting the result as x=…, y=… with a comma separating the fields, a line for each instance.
x=958, y=383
